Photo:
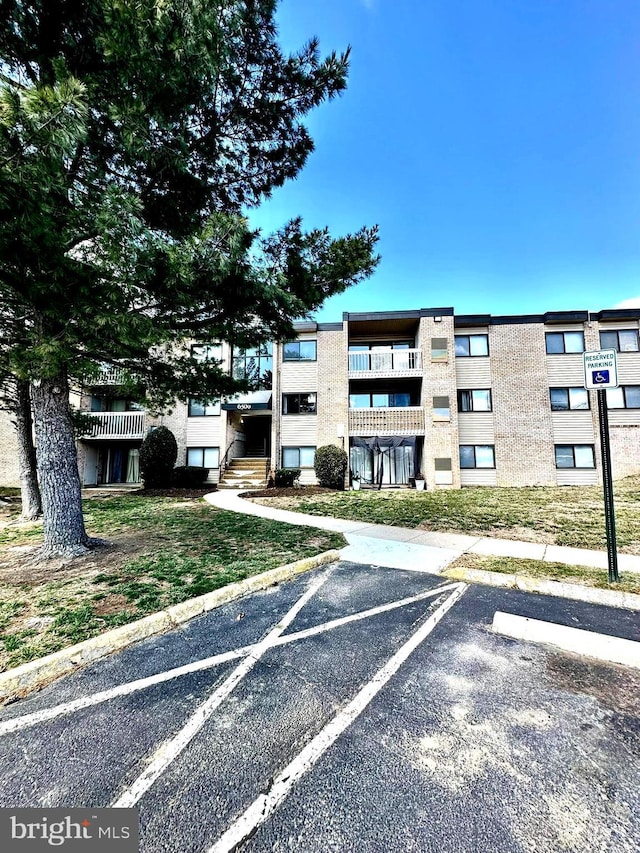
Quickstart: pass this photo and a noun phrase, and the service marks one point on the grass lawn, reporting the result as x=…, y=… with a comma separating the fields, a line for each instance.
x=163, y=550
x=566, y=515
x=583, y=575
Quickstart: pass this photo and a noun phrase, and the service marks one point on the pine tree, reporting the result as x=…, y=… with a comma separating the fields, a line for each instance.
x=133, y=136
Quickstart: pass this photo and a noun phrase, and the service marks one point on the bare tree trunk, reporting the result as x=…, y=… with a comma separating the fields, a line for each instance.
x=29, y=488
x=64, y=532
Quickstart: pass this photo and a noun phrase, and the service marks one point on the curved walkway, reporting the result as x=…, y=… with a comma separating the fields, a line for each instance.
x=418, y=550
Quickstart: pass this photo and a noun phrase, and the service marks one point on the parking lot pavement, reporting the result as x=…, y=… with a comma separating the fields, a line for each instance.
x=356, y=708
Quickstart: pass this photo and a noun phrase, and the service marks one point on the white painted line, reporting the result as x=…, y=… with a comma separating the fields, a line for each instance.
x=586, y=643
x=27, y=720
x=168, y=751
x=265, y=805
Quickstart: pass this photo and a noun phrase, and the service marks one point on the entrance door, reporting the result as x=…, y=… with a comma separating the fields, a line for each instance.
x=257, y=430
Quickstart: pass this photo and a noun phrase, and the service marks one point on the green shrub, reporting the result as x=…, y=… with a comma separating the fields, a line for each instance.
x=331, y=466
x=189, y=476
x=158, y=454
x=286, y=477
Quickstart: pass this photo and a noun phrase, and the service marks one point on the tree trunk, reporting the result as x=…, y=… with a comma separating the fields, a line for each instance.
x=64, y=533
x=29, y=488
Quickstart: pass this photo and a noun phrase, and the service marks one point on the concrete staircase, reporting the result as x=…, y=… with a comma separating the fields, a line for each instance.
x=245, y=473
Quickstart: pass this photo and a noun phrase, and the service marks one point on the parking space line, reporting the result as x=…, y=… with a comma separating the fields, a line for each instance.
x=168, y=751
x=46, y=714
x=266, y=804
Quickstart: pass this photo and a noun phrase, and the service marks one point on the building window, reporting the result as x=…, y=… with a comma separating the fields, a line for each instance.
x=299, y=404
x=625, y=397
x=477, y=456
x=574, y=456
x=472, y=345
x=206, y=352
x=568, y=399
x=622, y=340
x=441, y=409
x=299, y=351
x=203, y=457
x=203, y=408
x=564, y=342
x=298, y=457
x=382, y=400
x=478, y=400
x=255, y=364
x=439, y=349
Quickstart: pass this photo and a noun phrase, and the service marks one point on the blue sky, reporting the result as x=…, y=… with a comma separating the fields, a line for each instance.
x=495, y=142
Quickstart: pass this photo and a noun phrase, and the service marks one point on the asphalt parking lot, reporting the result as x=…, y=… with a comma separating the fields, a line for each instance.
x=358, y=708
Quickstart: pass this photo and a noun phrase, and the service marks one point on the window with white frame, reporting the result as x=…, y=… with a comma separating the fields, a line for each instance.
x=471, y=345
x=621, y=340
x=558, y=343
x=299, y=404
x=568, y=399
x=203, y=457
x=624, y=397
x=574, y=456
x=203, y=408
x=298, y=457
x=477, y=456
x=475, y=400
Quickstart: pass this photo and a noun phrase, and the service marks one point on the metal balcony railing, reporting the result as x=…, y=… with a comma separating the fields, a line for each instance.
x=391, y=361
x=109, y=425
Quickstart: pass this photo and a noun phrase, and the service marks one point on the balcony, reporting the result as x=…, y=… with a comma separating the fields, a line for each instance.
x=400, y=362
x=115, y=425
x=408, y=420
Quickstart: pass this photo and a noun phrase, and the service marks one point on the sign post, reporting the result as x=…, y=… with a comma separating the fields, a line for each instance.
x=600, y=373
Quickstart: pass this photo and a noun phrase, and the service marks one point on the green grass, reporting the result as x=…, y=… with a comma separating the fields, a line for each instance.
x=182, y=549
x=567, y=515
x=597, y=578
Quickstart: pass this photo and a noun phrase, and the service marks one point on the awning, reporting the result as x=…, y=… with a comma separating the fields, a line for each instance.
x=252, y=402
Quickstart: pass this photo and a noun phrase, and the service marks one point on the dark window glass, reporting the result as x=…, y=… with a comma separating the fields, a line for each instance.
x=624, y=340
x=574, y=456
x=467, y=456
x=564, y=342
x=299, y=351
x=477, y=400
x=299, y=404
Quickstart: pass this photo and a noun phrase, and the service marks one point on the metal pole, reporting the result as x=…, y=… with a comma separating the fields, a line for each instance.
x=607, y=482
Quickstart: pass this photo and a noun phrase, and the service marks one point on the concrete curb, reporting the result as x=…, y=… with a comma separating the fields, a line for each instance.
x=608, y=597
x=585, y=643
x=30, y=676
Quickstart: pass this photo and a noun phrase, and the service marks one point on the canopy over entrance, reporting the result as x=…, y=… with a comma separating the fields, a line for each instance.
x=252, y=402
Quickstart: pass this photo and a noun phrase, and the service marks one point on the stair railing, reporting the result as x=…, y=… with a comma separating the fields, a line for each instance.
x=225, y=459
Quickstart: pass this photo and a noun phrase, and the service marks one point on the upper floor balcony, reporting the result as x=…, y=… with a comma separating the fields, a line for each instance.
x=108, y=426
x=385, y=363
x=403, y=420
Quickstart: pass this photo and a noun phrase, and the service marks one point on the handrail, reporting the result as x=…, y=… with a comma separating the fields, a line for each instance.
x=223, y=461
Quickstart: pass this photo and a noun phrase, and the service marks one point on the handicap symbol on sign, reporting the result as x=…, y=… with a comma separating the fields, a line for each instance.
x=600, y=377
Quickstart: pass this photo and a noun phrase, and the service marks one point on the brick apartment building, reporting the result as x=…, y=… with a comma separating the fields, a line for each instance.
x=462, y=400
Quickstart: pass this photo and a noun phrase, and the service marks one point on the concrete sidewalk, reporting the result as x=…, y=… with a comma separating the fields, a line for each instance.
x=409, y=548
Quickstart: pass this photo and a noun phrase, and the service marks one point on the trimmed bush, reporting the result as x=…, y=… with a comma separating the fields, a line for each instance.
x=331, y=466
x=189, y=476
x=286, y=477
x=158, y=454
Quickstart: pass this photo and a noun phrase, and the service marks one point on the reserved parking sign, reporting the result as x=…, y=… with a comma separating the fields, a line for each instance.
x=600, y=369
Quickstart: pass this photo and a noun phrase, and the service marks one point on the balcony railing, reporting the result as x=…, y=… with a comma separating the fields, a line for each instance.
x=407, y=420
x=390, y=361
x=109, y=425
